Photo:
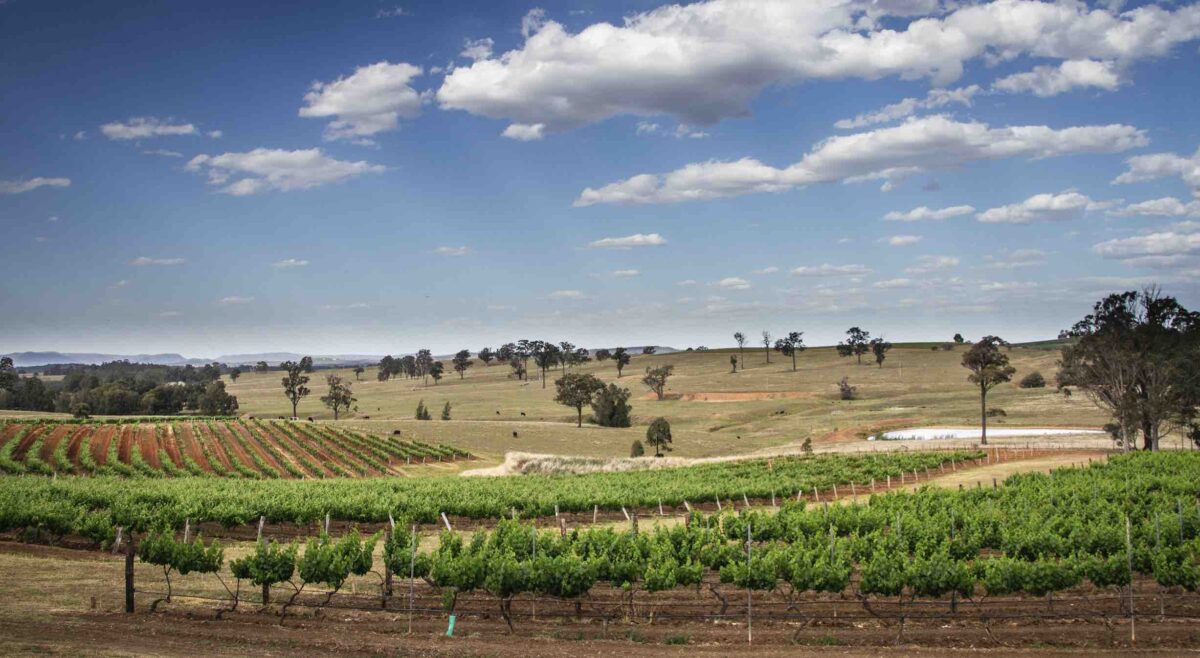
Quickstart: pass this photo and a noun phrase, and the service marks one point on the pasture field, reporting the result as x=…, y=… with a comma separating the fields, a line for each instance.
x=712, y=411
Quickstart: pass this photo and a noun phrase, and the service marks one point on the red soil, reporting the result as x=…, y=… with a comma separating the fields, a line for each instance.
x=325, y=453
x=8, y=432
x=51, y=442
x=251, y=441
x=99, y=443
x=290, y=447
x=73, y=448
x=202, y=433
x=191, y=446
x=148, y=442
x=344, y=456
x=171, y=445
x=23, y=446
x=235, y=446
x=126, y=444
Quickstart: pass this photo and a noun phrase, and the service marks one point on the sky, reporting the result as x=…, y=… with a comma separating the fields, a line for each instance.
x=374, y=177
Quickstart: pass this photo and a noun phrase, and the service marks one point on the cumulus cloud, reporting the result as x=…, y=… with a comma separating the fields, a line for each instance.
x=476, y=49
x=891, y=284
x=901, y=240
x=142, y=261
x=1007, y=286
x=706, y=61
x=567, y=294
x=1164, y=207
x=234, y=300
x=146, y=128
x=629, y=241
x=1073, y=74
x=452, y=251
x=369, y=101
x=767, y=270
x=1042, y=208
x=936, y=98
x=687, y=282
x=625, y=274
x=889, y=154
x=20, y=186
x=525, y=132
x=163, y=152
x=927, y=213
x=263, y=170
x=1142, y=168
x=926, y=264
x=1164, y=247
x=289, y=263
x=831, y=270
x=732, y=283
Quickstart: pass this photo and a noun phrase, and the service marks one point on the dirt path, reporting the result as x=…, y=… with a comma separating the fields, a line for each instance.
x=99, y=443
x=50, y=444
x=240, y=435
x=289, y=447
x=125, y=447
x=76, y=446
x=201, y=433
x=191, y=446
x=146, y=440
x=27, y=441
x=171, y=445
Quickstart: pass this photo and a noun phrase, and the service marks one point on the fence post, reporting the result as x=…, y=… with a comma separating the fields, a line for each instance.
x=129, y=553
x=749, y=591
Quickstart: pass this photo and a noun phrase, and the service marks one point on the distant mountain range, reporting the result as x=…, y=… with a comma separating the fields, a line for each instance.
x=34, y=359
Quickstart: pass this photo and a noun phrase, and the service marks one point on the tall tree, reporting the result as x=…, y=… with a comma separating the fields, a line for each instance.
x=766, y=341
x=648, y=350
x=576, y=390
x=8, y=374
x=733, y=363
x=611, y=407
x=603, y=355
x=505, y=353
x=424, y=364
x=880, y=348
x=294, y=383
x=958, y=338
x=790, y=345
x=989, y=368
x=486, y=355
x=621, y=358
x=656, y=379
x=524, y=352
x=216, y=402
x=261, y=366
x=307, y=364
x=436, y=370
x=234, y=374
x=659, y=436
x=339, y=396
x=566, y=351
x=461, y=361
x=358, y=371
x=741, y=341
x=545, y=356
x=857, y=343
x=1135, y=356
x=387, y=368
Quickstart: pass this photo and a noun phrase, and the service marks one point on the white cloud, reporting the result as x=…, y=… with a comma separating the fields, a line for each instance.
x=476, y=49
x=567, y=294
x=1015, y=259
x=926, y=264
x=706, y=61
x=1042, y=208
x=907, y=107
x=732, y=283
x=234, y=300
x=1154, y=245
x=901, y=240
x=142, y=261
x=395, y=12
x=525, y=132
x=277, y=169
x=1007, y=286
x=624, y=274
x=927, y=213
x=369, y=101
x=891, y=284
x=1163, y=165
x=1164, y=207
x=1073, y=74
x=767, y=270
x=163, y=152
x=452, y=251
x=687, y=282
x=20, y=186
x=216, y=134
x=146, y=128
x=81, y=135
x=289, y=263
x=831, y=270
x=889, y=154
x=629, y=241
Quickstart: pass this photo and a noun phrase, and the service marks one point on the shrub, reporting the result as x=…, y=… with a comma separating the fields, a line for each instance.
x=1033, y=380
x=997, y=412
x=636, y=450
x=446, y=412
x=847, y=391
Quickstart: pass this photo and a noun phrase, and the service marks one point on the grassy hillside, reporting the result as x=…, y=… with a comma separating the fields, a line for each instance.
x=712, y=411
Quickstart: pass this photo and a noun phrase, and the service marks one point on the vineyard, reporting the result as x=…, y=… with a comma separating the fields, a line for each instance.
x=251, y=449
x=92, y=507
x=1108, y=544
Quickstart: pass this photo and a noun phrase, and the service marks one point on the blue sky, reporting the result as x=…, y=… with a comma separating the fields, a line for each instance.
x=374, y=177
